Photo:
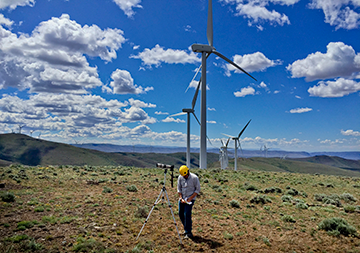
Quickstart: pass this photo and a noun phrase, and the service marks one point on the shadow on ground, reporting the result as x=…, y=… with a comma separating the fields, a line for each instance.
x=212, y=243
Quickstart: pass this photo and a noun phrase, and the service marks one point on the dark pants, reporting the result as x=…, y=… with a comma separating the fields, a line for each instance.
x=185, y=216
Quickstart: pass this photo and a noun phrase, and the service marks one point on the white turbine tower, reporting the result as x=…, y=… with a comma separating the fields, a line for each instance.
x=224, y=156
x=189, y=111
x=237, y=140
x=205, y=51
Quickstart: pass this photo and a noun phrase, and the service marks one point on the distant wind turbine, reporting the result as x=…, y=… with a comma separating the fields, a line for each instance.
x=20, y=127
x=237, y=140
x=224, y=156
x=265, y=150
x=205, y=51
x=189, y=111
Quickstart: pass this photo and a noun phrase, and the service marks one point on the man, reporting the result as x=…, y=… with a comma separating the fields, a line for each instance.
x=188, y=187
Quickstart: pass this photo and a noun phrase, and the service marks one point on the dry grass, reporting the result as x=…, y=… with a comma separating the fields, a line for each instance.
x=97, y=209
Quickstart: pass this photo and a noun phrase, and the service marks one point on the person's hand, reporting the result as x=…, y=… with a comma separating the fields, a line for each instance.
x=182, y=200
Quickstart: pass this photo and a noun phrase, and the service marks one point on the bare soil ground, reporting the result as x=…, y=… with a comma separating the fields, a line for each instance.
x=102, y=209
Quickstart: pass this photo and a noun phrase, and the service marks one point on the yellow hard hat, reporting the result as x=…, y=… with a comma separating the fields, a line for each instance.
x=184, y=170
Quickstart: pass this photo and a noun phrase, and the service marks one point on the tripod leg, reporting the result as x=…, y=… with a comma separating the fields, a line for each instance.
x=167, y=197
x=156, y=202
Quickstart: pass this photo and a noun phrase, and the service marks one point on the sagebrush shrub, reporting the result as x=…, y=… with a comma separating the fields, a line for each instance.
x=287, y=198
x=89, y=245
x=337, y=226
x=234, y=203
x=260, y=199
x=332, y=199
x=26, y=224
x=217, y=188
x=319, y=197
x=142, y=212
x=288, y=218
x=347, y=197
x=292, y=192
x=250, y=188
x=8, y=197
x=273, y=190
x=349, y=208
x=302, y=205
x=107, y=190
x=131, y=188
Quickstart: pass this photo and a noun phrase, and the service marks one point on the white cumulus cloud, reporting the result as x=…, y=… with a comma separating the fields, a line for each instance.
x=258, y=11
x=339, y=13
x=350, y=133
x=338, y=88
x=128, y=5
x=244, y=92
x=340, y=60
x=5, y=21
x=251, y=63
x=158, y=55
x=123, y=83
x=52, y=58
x=12, y=4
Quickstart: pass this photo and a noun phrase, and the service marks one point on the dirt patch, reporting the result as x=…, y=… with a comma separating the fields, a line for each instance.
x=10, y=186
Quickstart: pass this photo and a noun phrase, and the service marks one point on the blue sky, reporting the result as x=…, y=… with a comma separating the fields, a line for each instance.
x=114, y=71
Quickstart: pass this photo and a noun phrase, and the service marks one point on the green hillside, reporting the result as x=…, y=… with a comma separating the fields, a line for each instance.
x=333, y=161
x=23, y=149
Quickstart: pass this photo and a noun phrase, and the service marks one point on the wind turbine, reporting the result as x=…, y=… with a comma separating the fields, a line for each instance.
x=20, y=127
x=205, y=51
x=224, y=156
x=189, y=111
x=266, y=150
x=237, y=140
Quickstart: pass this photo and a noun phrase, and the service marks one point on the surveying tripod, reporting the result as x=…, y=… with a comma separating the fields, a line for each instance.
x=162, y=194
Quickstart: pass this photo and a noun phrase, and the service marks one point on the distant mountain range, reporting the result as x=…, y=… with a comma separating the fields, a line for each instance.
x=355, y=155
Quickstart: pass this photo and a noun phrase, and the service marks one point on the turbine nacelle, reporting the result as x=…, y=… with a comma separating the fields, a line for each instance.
x=188, y=110
x=199, y=48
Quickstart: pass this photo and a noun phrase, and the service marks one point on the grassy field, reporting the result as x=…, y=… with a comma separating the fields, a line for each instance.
x=102, y=209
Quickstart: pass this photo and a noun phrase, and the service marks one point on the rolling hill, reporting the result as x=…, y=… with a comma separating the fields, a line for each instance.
x=25, y=150
x=333, y=161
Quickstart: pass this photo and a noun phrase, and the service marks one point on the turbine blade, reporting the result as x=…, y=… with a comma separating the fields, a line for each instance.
x=196, y=118
x=233, y=63
x=241, y=149
x=209, y=140
x=243, y=129
x=177, y=114
x=195, y=95
x=209, y=31
x=227, y=143
x=197, y=72
x=222, y=143
x=228, y=135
